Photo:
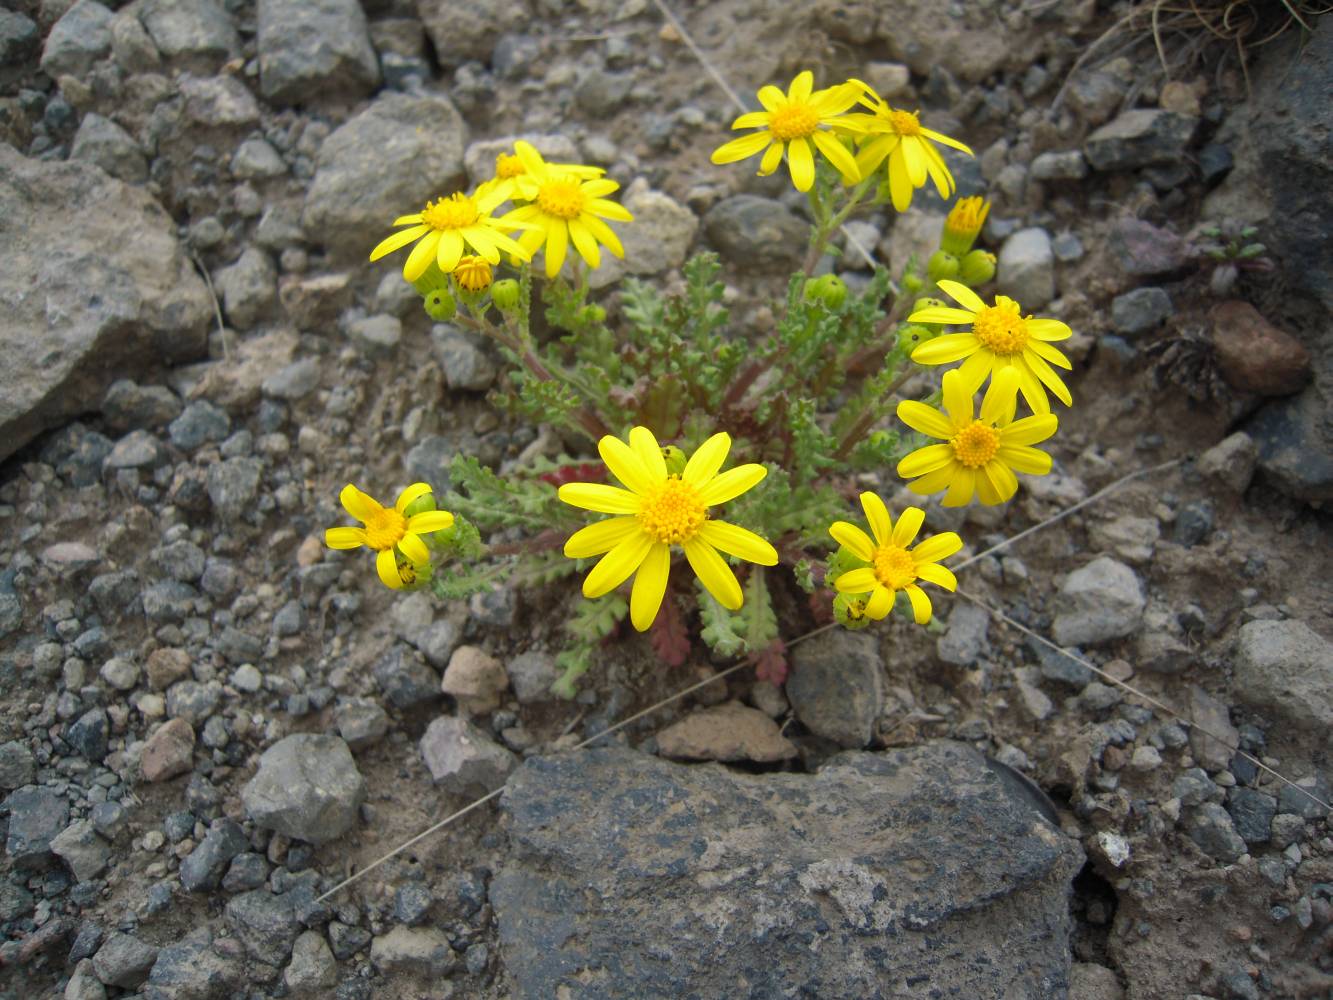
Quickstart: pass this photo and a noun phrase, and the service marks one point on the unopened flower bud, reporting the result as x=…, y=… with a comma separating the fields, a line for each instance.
x=912, y=283
x=850, y=611
x=440, y=305
x=674, y=458
x=912, y=336
x=941, y=265
x=504, y=293
x=827, y=288
x=977, y=268
x=420, y=505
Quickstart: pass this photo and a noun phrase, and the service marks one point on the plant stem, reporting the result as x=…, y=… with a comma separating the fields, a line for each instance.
x=867, y=418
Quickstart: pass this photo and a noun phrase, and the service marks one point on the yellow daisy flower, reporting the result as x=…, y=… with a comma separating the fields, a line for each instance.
x=660, y=510
x=893, y=565
x=511, y=176
x=473, y=273
x=981, y=454
x=446, y=228
x=564, y=207
x=909, y=147
x=389, y=531
x=1001, y=337
x=789, y=123
x=963, y=224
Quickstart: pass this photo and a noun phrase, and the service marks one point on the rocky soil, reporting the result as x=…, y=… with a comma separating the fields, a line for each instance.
x=207, y=719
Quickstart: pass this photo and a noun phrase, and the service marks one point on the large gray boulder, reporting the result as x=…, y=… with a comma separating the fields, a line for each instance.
x=385, y=162
x=633, y=876
x=95, y=287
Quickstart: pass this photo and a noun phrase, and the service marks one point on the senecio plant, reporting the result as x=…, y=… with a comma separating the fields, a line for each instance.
x=667, y=395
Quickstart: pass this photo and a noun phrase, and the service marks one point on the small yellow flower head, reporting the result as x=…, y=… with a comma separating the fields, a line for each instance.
x=473, y=273
x=909, y=146
x=893, y=564
x=444, y=229
x=507, y=166
x=565, y=207
x=797, y=123
x=511, y=177
x=390, y=531
x=963, y=224
x=980, y=454
x=659, y=510
x=1001, y=337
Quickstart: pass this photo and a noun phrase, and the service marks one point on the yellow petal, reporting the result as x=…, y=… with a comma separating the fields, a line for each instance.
x=345, y=538
x=430, y=520
x=644, y=444
x=557, y=244
x=1030, y=461
x=1052, y=381
x=920, y=604
x=900, y=185
x=414, y=548
x=963, y=295
x=857, y=581
x=857, y=541
x=1001, y=478
x=957, y=400
x=943, y=350
x=706, y=460
x=360, y=505
x=741, y=148
x=751, y=119
x=713, y=572
x=616, y=566
x=935, y=480
x=731, y=484
x=801, y=163
x=421, y=256
x=909, y=523
x=1049, y=329
x=961, y=489
x=625, y=465
x=937, y=547
x=449, y=251
x=397, y=241
x=837, y=154
x=584, y=243
x=799, y=91
x=881, y=524
x=1001, y=399
x=609, y=210
x=386, y=565
x=600, y=498
x=926, y=419
x=772, y=159
x=938, y=575
x=603, y=233
x=771, y=98
x=880, y=604
x=413, y=492
x=645, y=600
x=924, y=460
x=740, y=542
x=942, y=314
x=600, y=537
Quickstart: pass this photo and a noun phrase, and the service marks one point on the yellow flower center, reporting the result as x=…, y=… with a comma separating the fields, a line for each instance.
x=385, y=528
x=905, y=122
x=1002, y=329
x=976, y=444
x=795, y=121
x=561, y=198
x=473, y=273
x=508, y=165
x=894, y=566
x=458, y=211
x=673, y=512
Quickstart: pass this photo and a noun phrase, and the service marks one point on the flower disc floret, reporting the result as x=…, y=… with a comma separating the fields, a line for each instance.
x=658, y=511
x=390, y=532
x=981, y=453
x=1001, y=337
x=561, y=197
x=796, y=123
x=894, y=563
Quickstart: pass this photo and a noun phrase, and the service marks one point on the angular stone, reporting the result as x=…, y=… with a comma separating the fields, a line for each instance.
x=404, y=678
x=475, y=679
x=1213, y=752
x=116, y=288
x=369, y=170
x=1026, y=268
x=1140, y=137
x=314, y=50
x=1295, y=448
x=106, y=145
x=124, y=961
x=413, y=951
x=195, y=35
x=463, y=759
x=312, y=971
x=531, y=674
x=169, y=751
x=1142, y=250
x=265, y=923
x=1286, y=668
x=1254, y=355
x=36, y=818
x=1103, y=600
x=727, y=732
x=1252, y=813
x=307, y=787
x=1231, y=461
x=836, y=686
x=466, y=32
x=1140, y=311
x=76, y=41
x=83, y=851
x=191, y=969
x=755, y=233
x=202, y=870
x=1210, y=828
x=889, y=867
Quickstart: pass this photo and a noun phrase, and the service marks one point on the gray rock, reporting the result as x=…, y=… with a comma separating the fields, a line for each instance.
x=132, y=47
x=460, y=33
x=376, y=336
x=191, y=969
x=465, y=365
x=1295, y=448
x=463, y=759
x=307, y=787
x=233, y=485
x=1231, y=461
x=1194, y=787
x=965, y=641
x=218, y=102
x=128, y=405
x=836, y=686
x=195, y=35
x=1064, y=166
x=404, y=678
x=312, y=50
x=422, y=952
x=1058, y=666
x=755, y=233
x=193, y=701
x=1252, y=813
x=109, y=819
x=83, y=851
x=136, y=450
x=89, y=734
x=1194, y=522
x=266, y=924
x=246, y=871
x=203, y=868
x=1142, y=250
x=1210, y=828
x=200, y=423
x=248, y=288
x=116, y=288
x=255, y=159
x=1208, y=713
x=312, y=971
x=294, y=381
x=19, y=39
x=1286, y=829
x=80, y=38
x=412, y=903
x=106, y=145
x=1140, y=311
x=1026, y=268
x=347, y=940
x=531, y=675
x=83, y=984
x=727, y=732
x=369, y=171
x=1285, y=667
x=1295, y=801
x=1102, y=601
x=361, y=722
x=880, y=864
x=36, y=817
x=1139, y=138
x=17, y=766
x=124, y=961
